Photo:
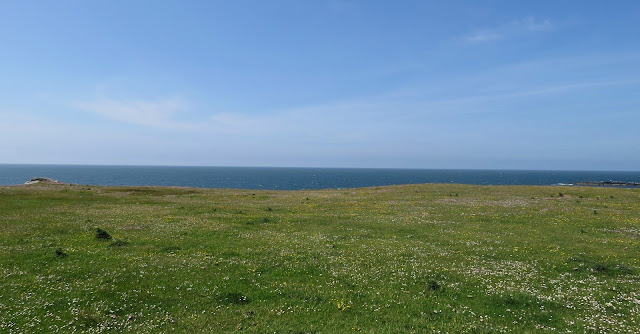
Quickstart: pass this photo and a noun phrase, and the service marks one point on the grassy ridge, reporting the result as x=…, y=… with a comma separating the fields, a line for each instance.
x=418, y=258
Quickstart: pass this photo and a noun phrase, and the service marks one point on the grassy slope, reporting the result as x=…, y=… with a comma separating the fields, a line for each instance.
x=419, y=258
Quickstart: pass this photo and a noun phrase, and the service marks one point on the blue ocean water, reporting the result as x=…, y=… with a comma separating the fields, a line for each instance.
x=292, y=178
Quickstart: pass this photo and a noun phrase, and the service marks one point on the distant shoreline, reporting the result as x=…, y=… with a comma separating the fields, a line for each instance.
x=608, y=184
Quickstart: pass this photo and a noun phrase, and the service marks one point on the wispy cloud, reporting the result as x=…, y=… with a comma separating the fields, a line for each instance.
x=462, y=102
x=152, y=113
x=509, y=30
x=314, y=123
x=360, y=121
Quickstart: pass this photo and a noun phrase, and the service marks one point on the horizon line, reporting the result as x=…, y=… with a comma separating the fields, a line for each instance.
x=315, y=167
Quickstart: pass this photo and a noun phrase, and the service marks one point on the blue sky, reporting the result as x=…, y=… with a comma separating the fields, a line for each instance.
x=322, y=83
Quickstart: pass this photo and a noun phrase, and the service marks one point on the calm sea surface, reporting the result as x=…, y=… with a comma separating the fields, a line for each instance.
x=292, y=178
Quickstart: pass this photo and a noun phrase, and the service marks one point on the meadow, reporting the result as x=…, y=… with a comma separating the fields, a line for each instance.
x=397, y=259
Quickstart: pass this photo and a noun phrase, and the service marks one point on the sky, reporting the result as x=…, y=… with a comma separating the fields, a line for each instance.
x=550, y=85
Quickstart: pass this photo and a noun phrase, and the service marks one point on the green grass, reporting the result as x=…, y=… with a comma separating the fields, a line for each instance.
x=398, y=259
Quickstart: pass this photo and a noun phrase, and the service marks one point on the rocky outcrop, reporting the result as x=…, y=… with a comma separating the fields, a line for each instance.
x=610, y=184
x=43, y=180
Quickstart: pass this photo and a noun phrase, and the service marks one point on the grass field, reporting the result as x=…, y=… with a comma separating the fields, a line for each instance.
x=397, y=259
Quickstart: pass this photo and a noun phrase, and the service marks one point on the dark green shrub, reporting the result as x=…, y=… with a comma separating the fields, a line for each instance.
x=102, y=234
x=60, y=253
x=433, y=285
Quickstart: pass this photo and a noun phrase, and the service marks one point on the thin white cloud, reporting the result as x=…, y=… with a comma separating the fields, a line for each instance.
x=482, y=36
x=327, y=124
x=532, y=25
x=158, y=113
x=352, y=122
x=509, y=30
x=528, y=92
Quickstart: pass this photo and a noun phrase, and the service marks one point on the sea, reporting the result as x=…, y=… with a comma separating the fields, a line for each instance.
x=290, y=178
